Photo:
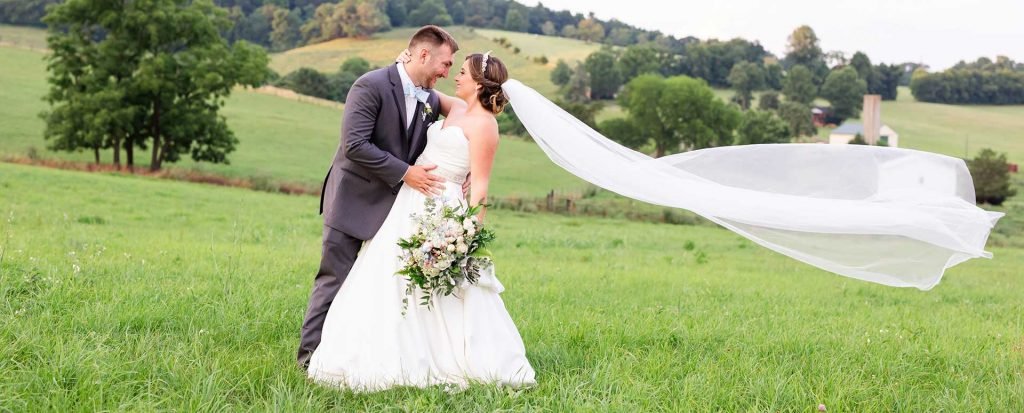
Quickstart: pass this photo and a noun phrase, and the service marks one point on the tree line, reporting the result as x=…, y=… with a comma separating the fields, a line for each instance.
x=999, y=82
x=283, y=24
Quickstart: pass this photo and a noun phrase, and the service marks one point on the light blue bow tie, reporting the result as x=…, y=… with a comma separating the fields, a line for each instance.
x=416, y=92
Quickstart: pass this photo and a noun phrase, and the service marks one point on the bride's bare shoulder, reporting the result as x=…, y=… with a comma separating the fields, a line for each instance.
x=480, y=127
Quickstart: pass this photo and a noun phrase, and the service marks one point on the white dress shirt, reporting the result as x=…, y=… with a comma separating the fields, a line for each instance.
x=410, y=100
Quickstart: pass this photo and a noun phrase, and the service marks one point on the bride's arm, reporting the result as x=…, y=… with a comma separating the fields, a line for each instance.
x=483, y=144
x=450, y=103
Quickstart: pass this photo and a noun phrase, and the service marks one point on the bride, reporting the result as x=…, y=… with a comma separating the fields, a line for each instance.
x=367, y=343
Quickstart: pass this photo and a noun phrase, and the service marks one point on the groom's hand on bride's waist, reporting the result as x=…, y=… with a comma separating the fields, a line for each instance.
x=419, y=178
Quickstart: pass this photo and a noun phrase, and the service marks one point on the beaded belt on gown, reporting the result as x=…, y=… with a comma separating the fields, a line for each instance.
x=448, y=176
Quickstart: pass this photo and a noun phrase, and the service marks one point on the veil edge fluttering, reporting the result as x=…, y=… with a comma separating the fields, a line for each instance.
x=892, y=216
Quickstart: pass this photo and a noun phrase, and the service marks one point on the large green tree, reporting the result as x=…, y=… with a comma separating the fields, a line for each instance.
x=991, y=175
x=745, y=78
x=798, y=117
x=604, y=77
x=561, y=74
x=759, y=127
x=285, y=33
x=362, y=18
x=638, y=60
x=678, y=113
x=159, y=67
x=798, y=86
x=845, y=90
x=430, y=12
x=803, y=49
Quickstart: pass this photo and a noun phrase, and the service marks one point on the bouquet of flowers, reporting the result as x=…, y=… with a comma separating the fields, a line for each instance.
x=446, y=250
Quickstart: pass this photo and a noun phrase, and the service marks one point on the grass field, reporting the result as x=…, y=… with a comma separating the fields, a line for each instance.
x=383, y=47
x=132, y=294
x=279, y=138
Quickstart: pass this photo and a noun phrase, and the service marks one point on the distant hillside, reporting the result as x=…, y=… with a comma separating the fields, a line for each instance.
x=382, y=48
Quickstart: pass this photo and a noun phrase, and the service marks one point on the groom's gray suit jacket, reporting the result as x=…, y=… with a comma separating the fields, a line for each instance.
x=376, y=150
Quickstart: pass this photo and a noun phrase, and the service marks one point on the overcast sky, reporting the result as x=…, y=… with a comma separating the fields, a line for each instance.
x=937, y=32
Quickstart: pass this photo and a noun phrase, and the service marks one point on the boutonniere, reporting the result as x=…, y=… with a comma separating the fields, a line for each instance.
x=427, y=110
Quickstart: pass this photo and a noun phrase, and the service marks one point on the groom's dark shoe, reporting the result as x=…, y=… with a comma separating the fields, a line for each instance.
x=304, y=364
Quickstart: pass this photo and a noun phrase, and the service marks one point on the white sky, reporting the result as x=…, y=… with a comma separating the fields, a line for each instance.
x=937, y=32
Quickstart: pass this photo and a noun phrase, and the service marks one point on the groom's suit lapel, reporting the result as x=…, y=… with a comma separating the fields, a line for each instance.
x=398, y=93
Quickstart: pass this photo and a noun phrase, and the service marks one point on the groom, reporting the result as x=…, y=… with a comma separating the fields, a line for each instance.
x=383, y=131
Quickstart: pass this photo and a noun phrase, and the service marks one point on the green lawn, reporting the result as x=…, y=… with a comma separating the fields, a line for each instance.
x=132, y=294
x=24, y=37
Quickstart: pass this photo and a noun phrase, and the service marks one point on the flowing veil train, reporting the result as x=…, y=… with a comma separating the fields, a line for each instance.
x=892, y=216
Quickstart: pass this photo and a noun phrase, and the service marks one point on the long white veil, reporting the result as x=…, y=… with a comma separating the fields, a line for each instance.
x=892, y=216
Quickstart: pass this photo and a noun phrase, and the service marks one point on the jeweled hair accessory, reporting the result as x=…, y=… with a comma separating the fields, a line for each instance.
x=483, y=66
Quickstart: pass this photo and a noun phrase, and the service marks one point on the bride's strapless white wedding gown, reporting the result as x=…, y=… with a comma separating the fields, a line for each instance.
x=368, y=345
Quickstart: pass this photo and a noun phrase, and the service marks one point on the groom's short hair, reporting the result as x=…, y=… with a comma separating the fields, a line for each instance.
x=435, y=36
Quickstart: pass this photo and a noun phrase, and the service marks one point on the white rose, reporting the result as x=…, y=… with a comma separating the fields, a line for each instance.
x=471, y=232
x=462, y=248
x=450, y=248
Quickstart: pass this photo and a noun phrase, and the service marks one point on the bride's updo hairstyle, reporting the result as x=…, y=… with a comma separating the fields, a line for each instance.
x=491, y=96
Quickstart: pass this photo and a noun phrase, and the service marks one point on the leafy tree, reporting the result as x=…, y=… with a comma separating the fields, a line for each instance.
x=584, y=111
x=590, y=30
x=757, y=127
x=638, y=60
x=991, y=174
x=845, y=90
x=322, y=26
x=604, y=78
x=478, y=12
x=509, y=123
x=625, y=132
x=768, y=101
x=355, y=65
x=745, y=78
x=973, y=86
x=338, y=85
x=803, y=49
x=515, y=21
x=430, y=12
x=678, y=113
x=548, y=29
x=161, y=68
x=862, y=64
x=562, y=73
x=621, y=36
x=397, y=12
x=773, y=76
x=458, y=12
x=798, y=85
x=887, y=81
x=570, y=31
x=578, y=88
x=713, y=60
x=285, y=30
x=798, y=117
x=361, y=18
x=308, y=82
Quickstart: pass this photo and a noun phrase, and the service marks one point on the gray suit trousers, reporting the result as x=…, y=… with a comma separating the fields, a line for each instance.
x=338, y=253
